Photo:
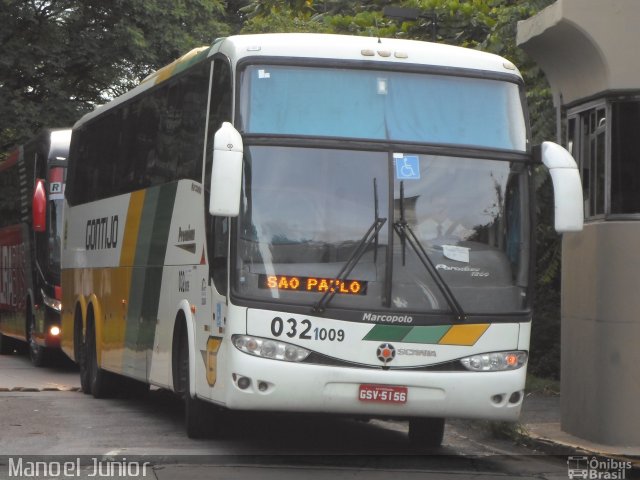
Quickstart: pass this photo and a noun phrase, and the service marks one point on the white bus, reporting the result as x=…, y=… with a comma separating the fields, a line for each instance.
x=311, y=223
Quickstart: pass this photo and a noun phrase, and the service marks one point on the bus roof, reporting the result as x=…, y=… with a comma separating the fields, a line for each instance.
x=324, y=46
x=53, y=142
x=347, y=47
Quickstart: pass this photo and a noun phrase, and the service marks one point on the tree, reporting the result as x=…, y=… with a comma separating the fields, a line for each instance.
x=60, y=58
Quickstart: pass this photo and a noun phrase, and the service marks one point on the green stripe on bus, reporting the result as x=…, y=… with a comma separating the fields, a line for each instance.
x=146, y=277
x=431, y=334
x=387, y=333
x=153, y=273
x=162, y=223
x=146, y=228
x=399, y=333
x=138, y=275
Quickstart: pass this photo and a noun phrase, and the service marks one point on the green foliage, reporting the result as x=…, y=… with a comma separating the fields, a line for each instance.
x=59, y=58
x=544, y=355
x=541, y=386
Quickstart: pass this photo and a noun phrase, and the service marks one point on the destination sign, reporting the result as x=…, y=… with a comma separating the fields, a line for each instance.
x=312, y=284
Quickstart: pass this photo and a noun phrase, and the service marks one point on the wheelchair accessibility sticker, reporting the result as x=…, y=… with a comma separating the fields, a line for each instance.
x=407, y=166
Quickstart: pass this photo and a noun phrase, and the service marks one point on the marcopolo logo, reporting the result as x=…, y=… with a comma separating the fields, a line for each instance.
x=372, y=317
x=597, y=468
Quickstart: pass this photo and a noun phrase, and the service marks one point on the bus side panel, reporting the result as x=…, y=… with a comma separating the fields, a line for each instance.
x=184, y=277
x=70, y=300
x=140, y=261
x=92, y=246
x=15, y=279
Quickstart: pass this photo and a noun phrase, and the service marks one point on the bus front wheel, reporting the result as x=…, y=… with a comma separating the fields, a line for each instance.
x=426, y=432
x=195, y=410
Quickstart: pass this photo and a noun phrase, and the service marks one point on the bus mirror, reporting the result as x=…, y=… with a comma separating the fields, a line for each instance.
x=226, y=172
x=39, y=207
x=567, y=187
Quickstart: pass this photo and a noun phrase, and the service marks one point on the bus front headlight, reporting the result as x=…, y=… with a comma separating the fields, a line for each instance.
x=267, y=348
x=495, y=361
x=51, y=302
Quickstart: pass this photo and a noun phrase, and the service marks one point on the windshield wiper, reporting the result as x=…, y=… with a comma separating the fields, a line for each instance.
x=371, y=236
x=406, y=234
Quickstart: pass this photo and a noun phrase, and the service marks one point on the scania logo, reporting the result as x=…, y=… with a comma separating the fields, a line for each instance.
x=386, y=352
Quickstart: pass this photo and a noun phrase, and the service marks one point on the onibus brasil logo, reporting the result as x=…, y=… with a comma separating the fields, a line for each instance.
x=597, y=468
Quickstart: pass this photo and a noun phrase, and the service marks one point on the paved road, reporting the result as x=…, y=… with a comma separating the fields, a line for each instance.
x=17, y=373
x=42, y=413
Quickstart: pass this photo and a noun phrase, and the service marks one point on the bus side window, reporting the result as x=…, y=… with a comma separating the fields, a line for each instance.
x=220, y=110
x=220, y=236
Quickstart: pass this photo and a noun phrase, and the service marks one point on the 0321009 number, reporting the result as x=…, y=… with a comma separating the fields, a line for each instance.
x=304, y=330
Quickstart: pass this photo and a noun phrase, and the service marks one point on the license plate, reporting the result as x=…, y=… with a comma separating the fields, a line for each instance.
x=383, y=393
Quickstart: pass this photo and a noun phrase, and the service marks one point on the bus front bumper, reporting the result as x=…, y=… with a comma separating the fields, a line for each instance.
x=262, y=384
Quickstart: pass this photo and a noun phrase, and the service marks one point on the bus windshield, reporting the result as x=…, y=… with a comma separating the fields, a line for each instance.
x=382, y=105
x=55, y=234
x=54, y=222
x=304, y=212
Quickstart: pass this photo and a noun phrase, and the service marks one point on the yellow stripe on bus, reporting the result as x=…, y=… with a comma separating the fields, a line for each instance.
x=114, y=288
x=167, y=71
x=132, y=226
x=465, y=335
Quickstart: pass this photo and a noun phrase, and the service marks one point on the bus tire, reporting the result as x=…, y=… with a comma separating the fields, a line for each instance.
x=37, y=353
x=195, y=410
x=426, y=432
x=99, y=381
x=80, y=352
x=196, y=413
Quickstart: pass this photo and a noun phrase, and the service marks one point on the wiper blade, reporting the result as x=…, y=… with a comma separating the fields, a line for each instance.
x=406, y=234
x=352, y=261
x=371, y=236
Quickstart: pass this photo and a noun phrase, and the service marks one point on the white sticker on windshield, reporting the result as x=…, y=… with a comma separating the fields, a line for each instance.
x=263, y=74
x=382, y=86
x=459, y=254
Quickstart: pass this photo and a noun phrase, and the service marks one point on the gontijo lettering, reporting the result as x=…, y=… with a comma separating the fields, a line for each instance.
x=102, y=233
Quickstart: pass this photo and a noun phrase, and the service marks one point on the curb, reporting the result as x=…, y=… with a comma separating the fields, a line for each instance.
x=558, y=448
x=43, y=389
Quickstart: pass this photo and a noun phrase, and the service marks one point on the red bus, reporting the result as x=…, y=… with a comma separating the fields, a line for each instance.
x=31, y=199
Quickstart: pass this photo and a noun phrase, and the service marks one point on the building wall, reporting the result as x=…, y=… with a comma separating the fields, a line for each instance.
x=601, y=333
x=583, y=46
